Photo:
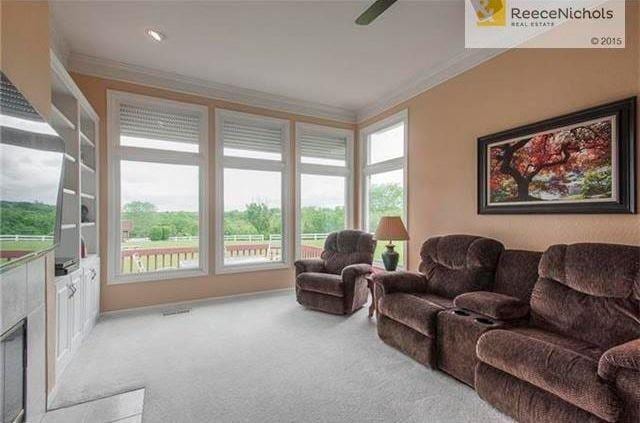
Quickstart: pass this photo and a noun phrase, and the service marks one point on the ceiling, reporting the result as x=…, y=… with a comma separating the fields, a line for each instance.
x=298, y=50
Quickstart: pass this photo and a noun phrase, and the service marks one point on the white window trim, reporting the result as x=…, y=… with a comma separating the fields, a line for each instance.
x=116, y=153
x=367, y=170
x=317, y=169
x=283, y=166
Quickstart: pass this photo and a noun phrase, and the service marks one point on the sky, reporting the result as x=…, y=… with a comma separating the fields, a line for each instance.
x=29, y=175
x=175, y=187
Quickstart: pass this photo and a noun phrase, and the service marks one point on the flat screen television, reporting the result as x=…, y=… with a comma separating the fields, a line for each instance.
x=31, y=171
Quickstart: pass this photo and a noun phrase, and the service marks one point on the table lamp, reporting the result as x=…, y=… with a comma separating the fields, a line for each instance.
x=391, y=228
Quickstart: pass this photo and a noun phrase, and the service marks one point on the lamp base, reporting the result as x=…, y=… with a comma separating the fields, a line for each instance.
x=390, y=258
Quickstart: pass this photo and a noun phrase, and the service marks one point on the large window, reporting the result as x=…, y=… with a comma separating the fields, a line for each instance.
x=252, y=162
x=158, y=185
x=324, y=163
x=384, y=190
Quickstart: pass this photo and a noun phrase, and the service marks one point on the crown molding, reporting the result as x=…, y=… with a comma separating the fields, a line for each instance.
x=57, y=43
x=111, y=69
x=436, y=75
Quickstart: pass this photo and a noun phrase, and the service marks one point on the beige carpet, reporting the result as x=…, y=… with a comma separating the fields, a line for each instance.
x=262, y=358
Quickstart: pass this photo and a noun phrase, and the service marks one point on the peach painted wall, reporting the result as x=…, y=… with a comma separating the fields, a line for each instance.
x=513, y=89
x=24, y=49
x=123, y=296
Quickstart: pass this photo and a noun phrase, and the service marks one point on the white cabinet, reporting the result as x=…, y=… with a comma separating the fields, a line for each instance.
x=77, y=308
x=64, y=317
x=91, y=274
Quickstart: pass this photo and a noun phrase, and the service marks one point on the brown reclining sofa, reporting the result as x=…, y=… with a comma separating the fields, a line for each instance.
x=561, y=347
x=409, y=302
x=578, y=359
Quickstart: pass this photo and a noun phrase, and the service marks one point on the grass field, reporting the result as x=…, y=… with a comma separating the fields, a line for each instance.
x=24, y=245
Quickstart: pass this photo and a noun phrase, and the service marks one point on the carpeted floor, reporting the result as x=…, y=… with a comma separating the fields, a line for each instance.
x=262, y=358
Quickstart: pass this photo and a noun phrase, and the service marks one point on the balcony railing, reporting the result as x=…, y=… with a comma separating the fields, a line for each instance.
x=237, y=248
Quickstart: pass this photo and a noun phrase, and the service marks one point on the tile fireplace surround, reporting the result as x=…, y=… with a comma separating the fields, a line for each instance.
x=22, y=296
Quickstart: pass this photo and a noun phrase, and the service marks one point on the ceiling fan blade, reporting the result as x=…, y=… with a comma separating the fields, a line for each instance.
x=374, y=11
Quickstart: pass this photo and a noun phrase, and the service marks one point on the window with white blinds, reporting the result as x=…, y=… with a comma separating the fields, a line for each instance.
x=253, y=202
x=383, y=175
x=322, y=148
x=158, y=165
x=324, y=185
x=259, y=139
x=160, y=127
x=159, y=123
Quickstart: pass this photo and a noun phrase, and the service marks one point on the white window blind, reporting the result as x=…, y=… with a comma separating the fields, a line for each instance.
x=158, y=123
x=323, y=146
x=252, y=137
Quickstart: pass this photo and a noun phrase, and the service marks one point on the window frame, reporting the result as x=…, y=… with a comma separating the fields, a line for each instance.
x=326, y=170
x=397, y=163
x=283, y=166
x=117, y=153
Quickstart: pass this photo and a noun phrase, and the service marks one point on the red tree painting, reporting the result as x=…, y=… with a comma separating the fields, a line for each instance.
x=572, y=163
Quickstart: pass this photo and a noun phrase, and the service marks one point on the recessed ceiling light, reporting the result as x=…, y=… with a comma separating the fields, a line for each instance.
x=155, y=35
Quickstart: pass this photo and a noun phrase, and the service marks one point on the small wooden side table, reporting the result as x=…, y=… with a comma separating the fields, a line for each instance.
x=373, y=306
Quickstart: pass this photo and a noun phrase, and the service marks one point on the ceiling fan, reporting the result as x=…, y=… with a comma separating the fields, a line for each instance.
x=375, y=10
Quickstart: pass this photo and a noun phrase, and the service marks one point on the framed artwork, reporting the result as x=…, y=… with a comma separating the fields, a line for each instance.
x=583, y=162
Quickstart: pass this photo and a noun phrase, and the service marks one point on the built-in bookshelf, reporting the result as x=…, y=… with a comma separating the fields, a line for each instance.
x=78, y=124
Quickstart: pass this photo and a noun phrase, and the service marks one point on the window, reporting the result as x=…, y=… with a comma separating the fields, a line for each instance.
x=252, y=163
x=384, y=187
x=158, y=183
x=324, y=184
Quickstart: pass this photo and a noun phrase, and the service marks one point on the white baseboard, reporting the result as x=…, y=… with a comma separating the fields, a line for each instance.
x=196, y=301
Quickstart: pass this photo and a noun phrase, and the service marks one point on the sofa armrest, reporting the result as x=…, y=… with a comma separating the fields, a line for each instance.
x=351, y=272
x=491, y=304
x=390, y=282
x=309, y=265
x=625, y=356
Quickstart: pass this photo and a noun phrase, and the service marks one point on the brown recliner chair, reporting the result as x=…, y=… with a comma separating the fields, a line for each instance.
x=409, y=302
x=579, y=359
x=336, y=282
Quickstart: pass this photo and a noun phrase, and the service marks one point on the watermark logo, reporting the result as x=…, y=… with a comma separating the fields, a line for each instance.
x=490, y=12
x=544, y=23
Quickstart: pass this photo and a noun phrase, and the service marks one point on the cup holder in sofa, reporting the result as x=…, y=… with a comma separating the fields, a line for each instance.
x=460, y=312
x=484, y=321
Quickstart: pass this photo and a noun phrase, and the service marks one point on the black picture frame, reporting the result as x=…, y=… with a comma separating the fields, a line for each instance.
x=625, y=113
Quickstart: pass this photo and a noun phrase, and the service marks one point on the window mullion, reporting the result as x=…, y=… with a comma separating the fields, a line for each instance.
x=158, y=156
x=387, y=165
x=323, y=170
x=252, y=164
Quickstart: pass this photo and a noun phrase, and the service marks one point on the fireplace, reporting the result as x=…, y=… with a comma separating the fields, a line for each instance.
x=13, y=372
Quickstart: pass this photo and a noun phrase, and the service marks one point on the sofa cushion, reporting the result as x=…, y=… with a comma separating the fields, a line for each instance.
x=347, y=247
x=567, y=368
x=601, y=270
x=497, y=306
x=458, y=252
x=323, y=283
x=456, y=264
x=415, y=312
x=435, y=299
x=525, y=402
x=517, y=273
x=606, y=322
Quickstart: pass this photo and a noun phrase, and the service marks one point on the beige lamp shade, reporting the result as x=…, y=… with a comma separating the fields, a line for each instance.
x=391, y=228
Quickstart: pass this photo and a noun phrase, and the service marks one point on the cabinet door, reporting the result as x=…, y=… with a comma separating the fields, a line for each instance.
x=78, y=307
x=62, y=318
x=90, y=294
x=96, y=291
